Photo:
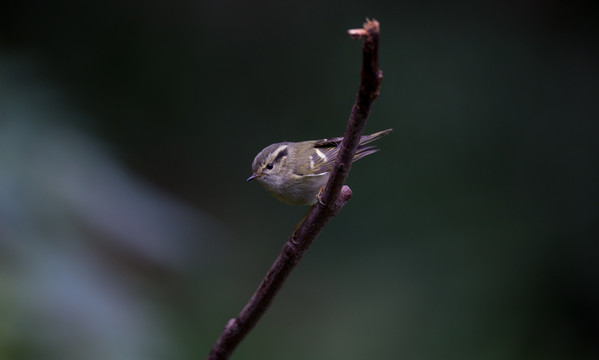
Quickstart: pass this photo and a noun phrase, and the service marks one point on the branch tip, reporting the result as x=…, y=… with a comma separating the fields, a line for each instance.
x=371, y=27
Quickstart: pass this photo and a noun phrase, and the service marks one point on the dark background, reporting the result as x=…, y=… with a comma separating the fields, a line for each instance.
x=127, y=130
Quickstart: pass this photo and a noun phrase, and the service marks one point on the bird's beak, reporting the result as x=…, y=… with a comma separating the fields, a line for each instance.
x=254, y=176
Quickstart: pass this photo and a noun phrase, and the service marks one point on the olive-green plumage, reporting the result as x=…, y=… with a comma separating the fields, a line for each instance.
x=295, y=172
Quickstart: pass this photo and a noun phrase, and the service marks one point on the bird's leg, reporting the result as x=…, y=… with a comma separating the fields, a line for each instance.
x=319, y=198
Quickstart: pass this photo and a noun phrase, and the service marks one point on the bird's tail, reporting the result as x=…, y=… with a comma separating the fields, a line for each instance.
x=372, y=137
x=367, y=150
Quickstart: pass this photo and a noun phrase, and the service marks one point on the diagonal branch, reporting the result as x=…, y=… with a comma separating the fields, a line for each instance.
x=334, y=197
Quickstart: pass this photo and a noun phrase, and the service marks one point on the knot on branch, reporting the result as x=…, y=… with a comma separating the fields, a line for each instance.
x=344, y=196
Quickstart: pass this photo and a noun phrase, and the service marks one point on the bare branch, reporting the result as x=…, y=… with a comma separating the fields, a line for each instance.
x=334, y=197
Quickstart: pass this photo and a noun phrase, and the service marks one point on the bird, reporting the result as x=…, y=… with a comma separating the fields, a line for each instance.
x=296, y=172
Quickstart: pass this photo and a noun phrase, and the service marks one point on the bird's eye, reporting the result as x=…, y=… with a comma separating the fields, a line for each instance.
x=269, y=166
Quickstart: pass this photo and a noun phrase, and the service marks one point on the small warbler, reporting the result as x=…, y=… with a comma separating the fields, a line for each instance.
x=296, y=172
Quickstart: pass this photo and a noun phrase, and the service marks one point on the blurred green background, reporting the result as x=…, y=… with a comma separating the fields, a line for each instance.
x=127, y=130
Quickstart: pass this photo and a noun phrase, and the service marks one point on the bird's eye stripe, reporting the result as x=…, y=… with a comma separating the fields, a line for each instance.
x=280, y=155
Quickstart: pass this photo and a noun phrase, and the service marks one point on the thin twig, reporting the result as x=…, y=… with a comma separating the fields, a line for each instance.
x=334, y=197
